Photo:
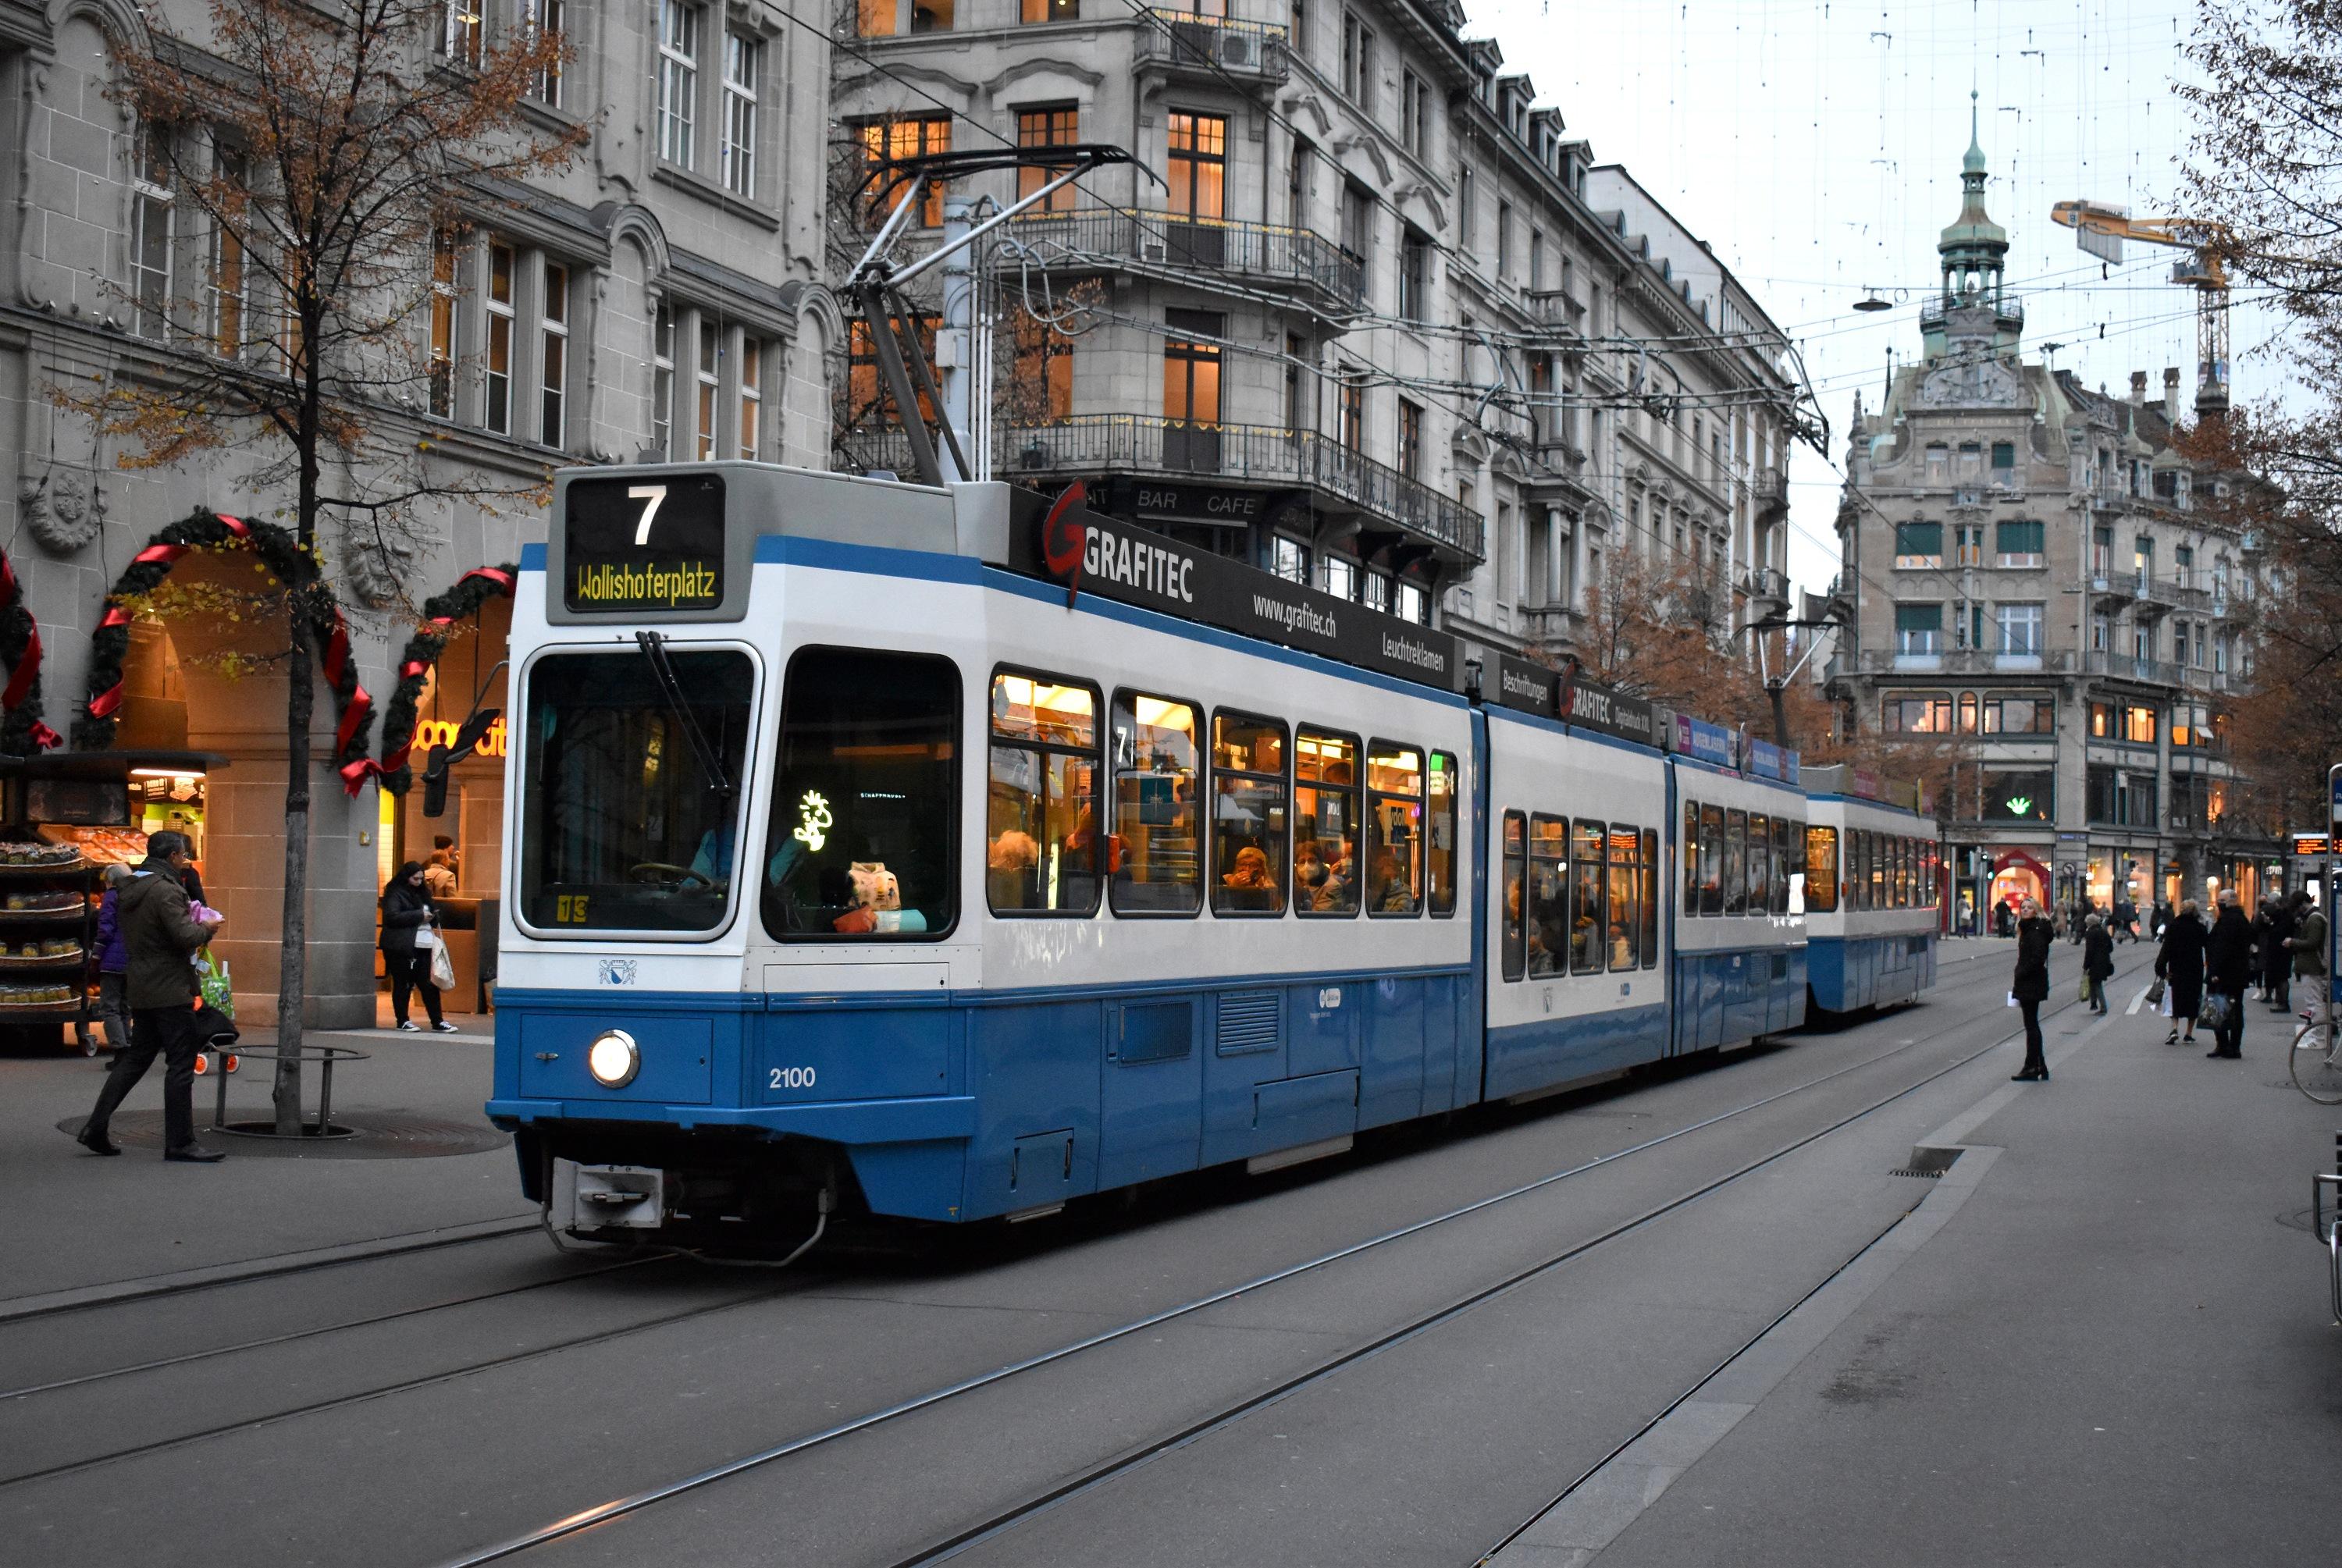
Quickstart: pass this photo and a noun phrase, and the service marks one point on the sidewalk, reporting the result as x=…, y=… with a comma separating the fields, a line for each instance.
x=2106, y=1338
x=84, y=1220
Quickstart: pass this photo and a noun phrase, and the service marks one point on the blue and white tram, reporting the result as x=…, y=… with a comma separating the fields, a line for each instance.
x=854, y=858
x=1873, y=891
x=1740, y=935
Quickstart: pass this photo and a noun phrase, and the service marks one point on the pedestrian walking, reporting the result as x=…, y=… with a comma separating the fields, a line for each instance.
x=2228, y=972
x=160, y=940
x=2030, y=987
x=2179, y=964
x=2261, y=945
x=406, y=914
x=2162, y=918
x=2097, y=961
x=2276, y=955
x=2308, y=946
x=2078, y=920
x=112, y=962
x=2125, y=920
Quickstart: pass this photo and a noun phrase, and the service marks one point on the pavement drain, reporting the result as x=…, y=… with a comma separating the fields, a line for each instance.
x=373, y=1135
x=1928, y=1163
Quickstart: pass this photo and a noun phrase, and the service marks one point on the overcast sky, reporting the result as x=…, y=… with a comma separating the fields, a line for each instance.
x=1816, y=146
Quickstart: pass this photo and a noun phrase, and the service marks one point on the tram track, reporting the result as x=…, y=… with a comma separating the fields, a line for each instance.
x=579, y=1521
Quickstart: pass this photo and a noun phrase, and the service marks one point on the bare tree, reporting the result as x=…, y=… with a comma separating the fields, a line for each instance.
x=332, y=156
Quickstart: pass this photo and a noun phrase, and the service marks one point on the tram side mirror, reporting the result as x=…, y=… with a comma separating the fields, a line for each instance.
x=434, y=783
x=475, y=729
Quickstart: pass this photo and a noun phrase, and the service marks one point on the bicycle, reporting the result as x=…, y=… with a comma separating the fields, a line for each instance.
x=2316, y=1058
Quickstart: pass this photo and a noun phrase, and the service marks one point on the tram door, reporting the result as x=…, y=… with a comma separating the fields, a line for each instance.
x=1151, y=1090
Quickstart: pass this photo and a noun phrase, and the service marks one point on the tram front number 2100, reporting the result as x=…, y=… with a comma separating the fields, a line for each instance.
x=634, y=546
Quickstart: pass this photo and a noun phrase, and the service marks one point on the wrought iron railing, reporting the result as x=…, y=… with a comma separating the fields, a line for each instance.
x=1213, y=44
x=1952, y=662
x=1256, y=253
x=2131, y=667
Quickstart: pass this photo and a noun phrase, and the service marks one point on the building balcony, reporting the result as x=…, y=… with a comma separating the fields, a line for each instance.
x=1200, y=251
x=1210, y=47
x=2197, y=678
x=1767, y=589
x=1262, y=454
x=1933, y=312
x=1950, y=661
x=1552, y=629
x=2131, y=667
x=1769, y=488
x=1555, y=307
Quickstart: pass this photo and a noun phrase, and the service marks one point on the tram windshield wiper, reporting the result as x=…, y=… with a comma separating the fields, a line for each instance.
x=711, y=764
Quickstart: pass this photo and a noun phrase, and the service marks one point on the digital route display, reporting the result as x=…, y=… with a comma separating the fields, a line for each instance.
x=634, y=546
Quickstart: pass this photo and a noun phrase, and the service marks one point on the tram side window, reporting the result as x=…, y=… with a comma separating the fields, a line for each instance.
x=1517, y=834
x=1735, y=862
x=1249, y=827
x=1760, y=862
x=1041, y=826
x=1590, y=926
x=1155, y=864
x=1902, y=898
x=1625, y=933
x=1689, y=850
x=1325, y=823
x=1394, y=829
x=1879, y=854
x=1548, y=944
x=864, y=812
x=1711, y=860
x=1650, y=898
x=1785, y=833
x=1821, y=871
x=1439, y=837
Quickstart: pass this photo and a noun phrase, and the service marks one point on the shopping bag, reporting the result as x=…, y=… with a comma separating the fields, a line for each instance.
x=2085, y=988
x=2012, y=999
x=443, y=968
x=2166, y=999
x=2214, y=1013
x=2155, y=997
x=425, y=939
x=212, y=980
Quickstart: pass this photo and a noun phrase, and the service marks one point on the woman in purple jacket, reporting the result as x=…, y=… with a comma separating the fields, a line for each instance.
x=113, y=963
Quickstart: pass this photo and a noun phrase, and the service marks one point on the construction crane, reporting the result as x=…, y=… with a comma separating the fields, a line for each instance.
x=2100, y=229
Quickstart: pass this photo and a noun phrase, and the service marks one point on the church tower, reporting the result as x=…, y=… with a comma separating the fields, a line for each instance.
x=1972, y=313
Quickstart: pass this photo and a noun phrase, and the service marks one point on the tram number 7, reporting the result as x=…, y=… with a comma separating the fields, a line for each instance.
x=651, y=495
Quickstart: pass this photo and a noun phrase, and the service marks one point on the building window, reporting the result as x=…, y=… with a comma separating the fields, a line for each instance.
x=1918, y=628
x=678, y=83
x=663, y=381
x=1056, y=125
x=2020, y=716
x=2102, y=552
x=1415, y=276
x=227, y=285
x=1351, y=431
x=1378, y=592
x=1967, y=713
x=2004, y=463
x=2018, y=543
x=2030, y=796
x=1971, y=460
x=1357, y=61
x=463, y=32
x=150, y=232
x=1413, y=603
x=868, y=399
x=2142, y=557
x=553, y=357
x=1413, y=112
x=1940, y=459
x=1504, y=238
x=549, y=18
x=875, y=18
x=2183, y=565
x=1191, y=390
x=1918, y=544
x=1468, y=223
x=1289, y=559
x=2021, y=629
x=1410, y=439
x=751, y=396
x=1042, y=389
x=440, y=372
x=1199, y=164
x=891, y=141
x=1341, y=576
x=743, y=57
x=496, y=408
x=1536, y=261
x=711, y=363
x=1971, y=544
x=1050, y=11
x=931, y=15
x=1358, y=225
x=1920, y=716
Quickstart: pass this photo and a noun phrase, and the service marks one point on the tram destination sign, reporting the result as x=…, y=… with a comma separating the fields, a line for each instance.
x=1119, y=561
x=639, y=543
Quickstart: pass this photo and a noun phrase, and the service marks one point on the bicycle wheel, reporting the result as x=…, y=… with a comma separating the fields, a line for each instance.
x=2317, y=1063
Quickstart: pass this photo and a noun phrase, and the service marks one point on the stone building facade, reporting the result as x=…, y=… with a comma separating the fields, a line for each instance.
x=2031, y=576
x=661, y=294
x=1358, y=311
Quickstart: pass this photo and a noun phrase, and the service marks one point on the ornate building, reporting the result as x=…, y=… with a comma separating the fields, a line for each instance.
x=2027, y=577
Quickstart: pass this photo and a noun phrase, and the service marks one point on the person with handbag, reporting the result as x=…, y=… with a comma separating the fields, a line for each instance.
x=161, y=938
x=2097, y=961
x=113, y=963
x=2228, y=975
x=410, y=937
x=2181, y=966
x=2030, y=987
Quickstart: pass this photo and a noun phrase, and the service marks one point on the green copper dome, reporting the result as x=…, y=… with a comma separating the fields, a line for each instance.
x=1973, y=246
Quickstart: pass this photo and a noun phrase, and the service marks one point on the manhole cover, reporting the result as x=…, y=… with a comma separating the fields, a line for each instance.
x=372, y=1135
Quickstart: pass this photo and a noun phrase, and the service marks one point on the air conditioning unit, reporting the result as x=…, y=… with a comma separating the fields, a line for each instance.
x=1152, y=250
x=1240, y=50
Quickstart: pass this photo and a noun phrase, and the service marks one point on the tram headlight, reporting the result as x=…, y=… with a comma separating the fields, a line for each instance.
x=614, y=1059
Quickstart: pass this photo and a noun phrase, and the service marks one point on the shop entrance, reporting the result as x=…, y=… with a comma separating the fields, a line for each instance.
x=2016, y=875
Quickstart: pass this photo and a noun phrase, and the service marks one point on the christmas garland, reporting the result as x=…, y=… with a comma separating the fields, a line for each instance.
x=470, y=594
x=22, y=733
x=281, y=553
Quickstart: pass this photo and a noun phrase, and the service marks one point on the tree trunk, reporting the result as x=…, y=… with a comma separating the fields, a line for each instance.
x=292, y=985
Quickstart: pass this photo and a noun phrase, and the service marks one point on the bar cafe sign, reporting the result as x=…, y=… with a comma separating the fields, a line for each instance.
x=1151, y=501
x=429, y=733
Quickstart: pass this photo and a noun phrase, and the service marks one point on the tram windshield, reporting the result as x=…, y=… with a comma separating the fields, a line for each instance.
x=623, y=827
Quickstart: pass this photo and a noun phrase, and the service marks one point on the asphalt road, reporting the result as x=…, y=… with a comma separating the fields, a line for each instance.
x=1363, y=1361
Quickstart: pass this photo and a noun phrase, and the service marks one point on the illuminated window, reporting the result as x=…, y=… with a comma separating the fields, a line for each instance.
x=1327, y=869
x=1515, y=872
x=891, y=141
x=1589, y=901
x=1548, y=897
x=228, y=284
x=463, y=32
x=1041, y=390
x=1153, y=867
x=1621, y=938
x=1056, y=125
x=711, y=363
x=1041, y=833
x=1439, y=840
x=1821, y=870
x=1197, y=164
x=1050, y=11
x=441, y=372
x=1249, y=821
x=1394, y=869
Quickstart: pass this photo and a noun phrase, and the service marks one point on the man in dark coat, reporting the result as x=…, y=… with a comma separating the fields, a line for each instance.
x=2229, y=970
x=161, y=939
x=2181, y=965
x=2276, y=957
x=2030, y=986
x=2097, y=960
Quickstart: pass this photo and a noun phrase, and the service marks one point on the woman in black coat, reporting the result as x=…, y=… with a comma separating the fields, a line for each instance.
x=2097, y=960
x=2229, y=970
x=2181, y=966
x=407, y=910
x=2030, y=987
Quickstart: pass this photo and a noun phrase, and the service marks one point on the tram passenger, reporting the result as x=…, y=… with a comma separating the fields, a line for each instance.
x=1250, y=883
x=1387, y=892
x=713, y=860
x=1316, y=888
x=1622, y=952
x=1010, y=864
